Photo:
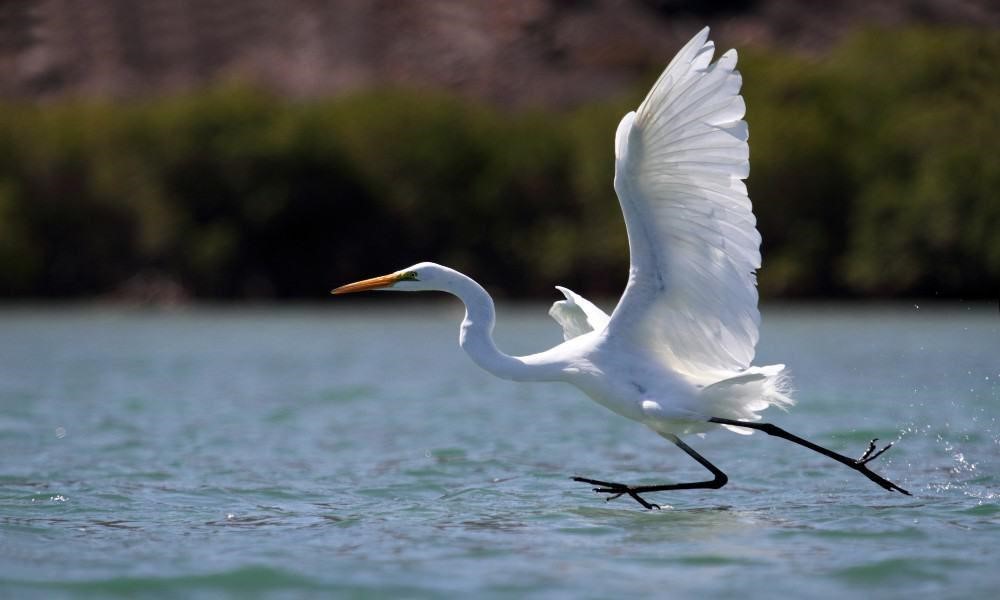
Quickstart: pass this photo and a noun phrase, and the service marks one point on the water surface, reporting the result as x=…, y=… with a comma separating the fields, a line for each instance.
x=356, y=451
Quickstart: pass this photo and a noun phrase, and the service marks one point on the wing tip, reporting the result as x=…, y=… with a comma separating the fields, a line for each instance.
x=701, y=37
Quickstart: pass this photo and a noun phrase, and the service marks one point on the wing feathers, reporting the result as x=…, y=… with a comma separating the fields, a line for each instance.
x=680, y=161
x=577, y=315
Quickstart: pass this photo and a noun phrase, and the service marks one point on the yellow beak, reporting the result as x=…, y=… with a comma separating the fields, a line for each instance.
x=368, y=284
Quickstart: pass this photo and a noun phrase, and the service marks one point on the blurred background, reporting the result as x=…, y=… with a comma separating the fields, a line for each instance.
x=159, y=151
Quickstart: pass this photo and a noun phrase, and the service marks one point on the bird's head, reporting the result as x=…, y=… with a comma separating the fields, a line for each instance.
x=420, y=277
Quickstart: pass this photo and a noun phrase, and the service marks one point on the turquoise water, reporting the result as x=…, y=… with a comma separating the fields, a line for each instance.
x=354, y=451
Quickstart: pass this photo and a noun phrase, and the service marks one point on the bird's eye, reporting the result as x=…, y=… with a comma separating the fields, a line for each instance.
x=409, y=276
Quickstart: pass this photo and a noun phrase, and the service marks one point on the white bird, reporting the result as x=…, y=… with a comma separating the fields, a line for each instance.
x=676, y=352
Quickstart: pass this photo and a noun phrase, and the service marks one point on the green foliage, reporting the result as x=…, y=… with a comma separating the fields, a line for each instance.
x=875, y=170
x=874, y=173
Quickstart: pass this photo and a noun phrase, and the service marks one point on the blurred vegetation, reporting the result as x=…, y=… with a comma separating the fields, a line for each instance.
x=875, y=172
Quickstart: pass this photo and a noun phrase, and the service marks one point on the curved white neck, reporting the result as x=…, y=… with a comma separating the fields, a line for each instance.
x=476, y=336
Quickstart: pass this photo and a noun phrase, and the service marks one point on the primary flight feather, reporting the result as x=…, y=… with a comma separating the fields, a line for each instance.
x=676, y=352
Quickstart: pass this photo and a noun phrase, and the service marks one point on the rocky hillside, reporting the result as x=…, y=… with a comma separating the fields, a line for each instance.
x=509, y=52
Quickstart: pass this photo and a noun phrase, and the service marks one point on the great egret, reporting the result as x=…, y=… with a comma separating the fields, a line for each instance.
x=675, y=354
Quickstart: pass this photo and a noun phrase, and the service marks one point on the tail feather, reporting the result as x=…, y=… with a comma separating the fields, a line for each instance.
x=744, y=395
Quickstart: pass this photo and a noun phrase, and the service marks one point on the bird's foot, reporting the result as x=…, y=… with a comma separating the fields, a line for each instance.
x=861, y=465
x=868, y=456
x=616, y=490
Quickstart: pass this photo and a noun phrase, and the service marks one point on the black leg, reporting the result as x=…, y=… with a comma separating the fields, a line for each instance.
x=860, y=465
x=619, y=489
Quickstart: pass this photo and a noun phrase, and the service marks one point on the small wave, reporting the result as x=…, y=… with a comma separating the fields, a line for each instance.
x=244, y=579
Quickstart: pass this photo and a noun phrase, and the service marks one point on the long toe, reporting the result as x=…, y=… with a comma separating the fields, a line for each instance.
x=606, y=484
x=862, y=467
x=868, y=457
x=640, y=500
x=615, y=493
x=617, y=490
x=868, y=452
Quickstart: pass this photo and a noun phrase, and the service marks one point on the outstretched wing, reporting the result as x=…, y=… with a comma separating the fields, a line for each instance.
x=577, y=315
x=679, y=164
